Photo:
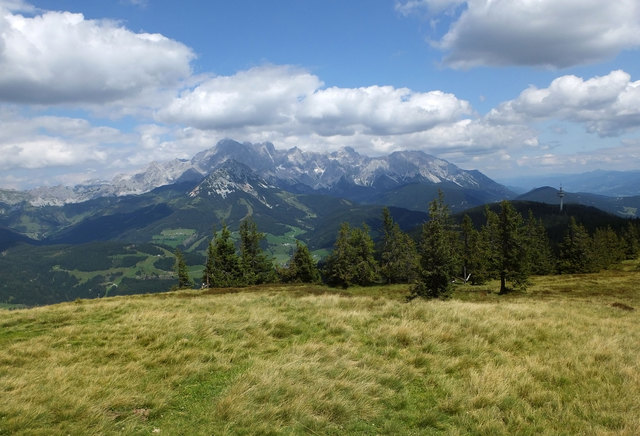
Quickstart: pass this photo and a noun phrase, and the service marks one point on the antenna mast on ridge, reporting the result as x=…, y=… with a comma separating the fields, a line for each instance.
x=561, y=195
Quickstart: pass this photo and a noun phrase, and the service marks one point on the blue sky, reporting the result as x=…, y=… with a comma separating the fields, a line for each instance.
x=90, y=89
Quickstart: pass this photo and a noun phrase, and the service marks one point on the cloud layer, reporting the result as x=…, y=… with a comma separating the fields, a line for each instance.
x=289, y=99
x=543, y=33
x=60, y=57
x=58, y=70
x=607, y=105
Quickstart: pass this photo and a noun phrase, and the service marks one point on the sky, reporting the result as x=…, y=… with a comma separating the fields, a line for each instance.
x=91, y=89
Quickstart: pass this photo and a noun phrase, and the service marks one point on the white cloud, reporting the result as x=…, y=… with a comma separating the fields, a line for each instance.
x=378, y=110
x=607, y=105
x=545, y=33
x=49, y=141
x=16, y=6
x=260, y=96
x=61, y=57
x=291, y=100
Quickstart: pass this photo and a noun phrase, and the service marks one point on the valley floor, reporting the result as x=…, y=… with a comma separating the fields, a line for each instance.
x=563, y=358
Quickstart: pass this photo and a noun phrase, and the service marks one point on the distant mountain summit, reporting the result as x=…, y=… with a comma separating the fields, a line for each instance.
x=233, y=177
x=344, y=173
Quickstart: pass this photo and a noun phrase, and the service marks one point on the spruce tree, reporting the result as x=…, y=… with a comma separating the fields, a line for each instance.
x=398, y=257
x=438, y=260
x=339, y=267
x=226, y=265
x=301, y=268
x=256, y=266
x=209, y=267
x=576, y=250
x=352, y=260
x=474, y=253
x=366, y=267
x=537, y=243
x=184, y=281
x=631, y=237
x=508, y=245
x=608, y=248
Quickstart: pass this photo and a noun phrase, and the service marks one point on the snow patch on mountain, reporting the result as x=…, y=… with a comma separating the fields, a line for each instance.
x=277, y=167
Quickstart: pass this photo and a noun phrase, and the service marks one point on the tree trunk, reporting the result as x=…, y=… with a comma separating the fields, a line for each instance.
x=503, y=283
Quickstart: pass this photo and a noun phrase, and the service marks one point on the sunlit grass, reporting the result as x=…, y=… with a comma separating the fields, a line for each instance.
x=562, y=358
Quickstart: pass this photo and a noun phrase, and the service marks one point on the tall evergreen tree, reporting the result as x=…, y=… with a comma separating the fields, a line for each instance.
x=398, y=257
x=509, y=258
x=576, y=252
x=226, y=265
x=256, y=267
x=352, y=260
x=209, y=267
x=631, y=237
x=184, y=281
x=608, y=248
x=301, y=268
x=338, y=269
x=438, y=260
x=366, y=267
x=537, y=243
x=474, y=253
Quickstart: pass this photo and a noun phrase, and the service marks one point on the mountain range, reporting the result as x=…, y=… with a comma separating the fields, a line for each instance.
x=344, y=173
x=601, y=182
x=115, y=238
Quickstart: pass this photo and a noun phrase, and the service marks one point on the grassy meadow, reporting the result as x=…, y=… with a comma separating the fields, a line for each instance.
x=562, y=358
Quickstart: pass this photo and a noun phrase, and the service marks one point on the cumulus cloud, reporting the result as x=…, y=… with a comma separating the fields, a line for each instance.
x=378, y=110
x=61, y=57
x=606, y=105
x=284, y=98
x=49, y=141
x=544, y=33
x=260, y=96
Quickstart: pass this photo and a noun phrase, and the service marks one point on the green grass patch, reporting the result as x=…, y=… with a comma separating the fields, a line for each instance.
x=281, y=247
x=562, y=358
x=173, y=237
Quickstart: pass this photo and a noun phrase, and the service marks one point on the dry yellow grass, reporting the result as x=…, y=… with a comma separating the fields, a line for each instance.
x=561, y=359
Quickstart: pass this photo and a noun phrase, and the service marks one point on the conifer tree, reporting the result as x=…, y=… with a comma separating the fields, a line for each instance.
x=537, y=243
x=256, y=266
x=438, y=260
x=184, y=281
x=608, y=248
x=339, y=267
x=209, y=267
x=631, y=238
x=352, y=260
x=576, y=253
x=301, y=268
x=508, y=258
x=474, y=253
x=398, y=257
x=226, y=265
x=366, y=267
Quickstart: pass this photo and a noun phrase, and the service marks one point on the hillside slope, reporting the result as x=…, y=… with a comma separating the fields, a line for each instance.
x=304, y=360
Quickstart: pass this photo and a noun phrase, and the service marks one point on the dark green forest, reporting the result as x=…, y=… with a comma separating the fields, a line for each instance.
x=471, y=247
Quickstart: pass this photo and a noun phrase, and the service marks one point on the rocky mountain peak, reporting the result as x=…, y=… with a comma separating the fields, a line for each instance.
x=329, y=172
x=231, y=177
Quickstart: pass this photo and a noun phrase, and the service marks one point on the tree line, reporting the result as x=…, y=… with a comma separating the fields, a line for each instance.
x=224, y=267
x=506, y=247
